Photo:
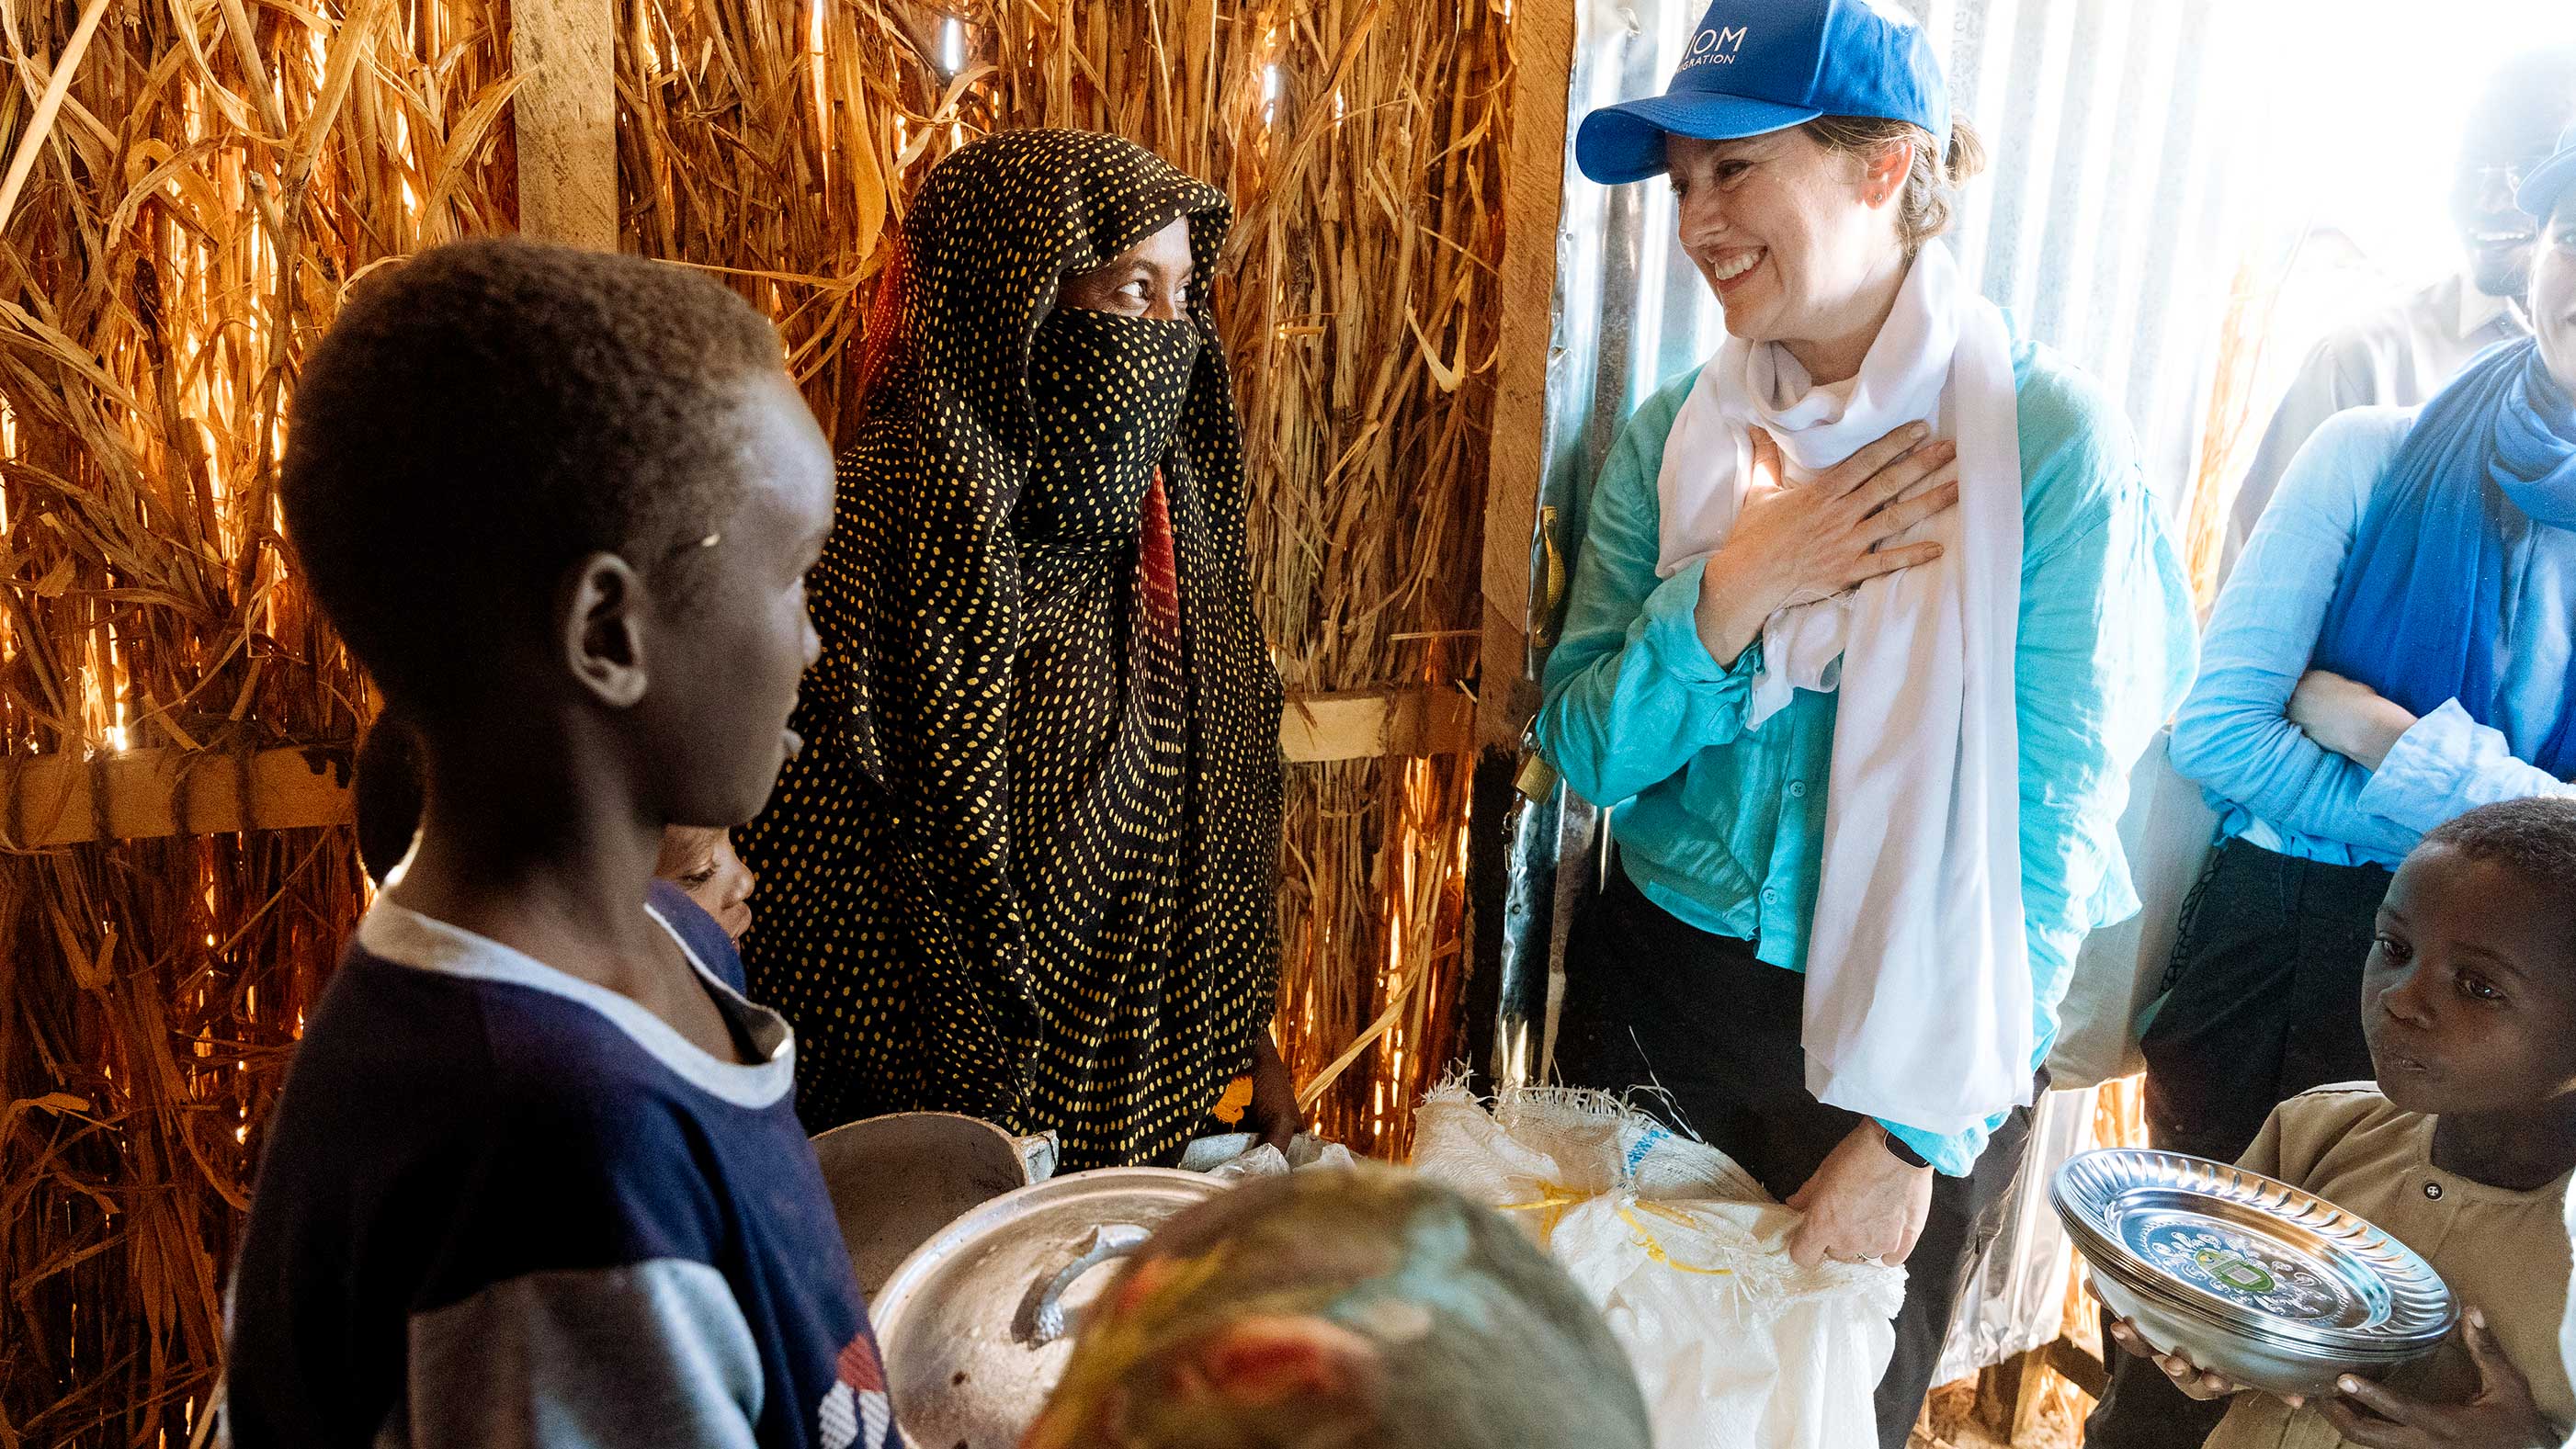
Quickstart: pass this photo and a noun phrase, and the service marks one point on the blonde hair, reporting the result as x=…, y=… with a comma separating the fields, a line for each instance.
x=1931, y=196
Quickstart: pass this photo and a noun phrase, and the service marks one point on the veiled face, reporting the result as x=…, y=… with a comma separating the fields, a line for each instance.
x=1149, y=279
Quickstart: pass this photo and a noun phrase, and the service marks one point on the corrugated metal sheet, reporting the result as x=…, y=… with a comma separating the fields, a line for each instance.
x=2109, y=226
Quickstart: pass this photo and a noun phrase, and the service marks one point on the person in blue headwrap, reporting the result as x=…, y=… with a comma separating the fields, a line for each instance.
x=2394, y=650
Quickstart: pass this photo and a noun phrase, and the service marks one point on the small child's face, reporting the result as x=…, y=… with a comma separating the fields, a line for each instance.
x=2469, y=999
x=726, y=657
x=701, y=861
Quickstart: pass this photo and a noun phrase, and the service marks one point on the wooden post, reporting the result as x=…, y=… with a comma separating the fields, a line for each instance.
x=1533, y=187
x=1542, y=47
x=566, y=114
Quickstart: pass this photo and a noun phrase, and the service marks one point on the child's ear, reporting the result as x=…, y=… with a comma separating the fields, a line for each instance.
x=602, y=629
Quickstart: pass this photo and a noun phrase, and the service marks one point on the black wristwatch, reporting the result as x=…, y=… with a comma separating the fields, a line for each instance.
x=1897, y=1149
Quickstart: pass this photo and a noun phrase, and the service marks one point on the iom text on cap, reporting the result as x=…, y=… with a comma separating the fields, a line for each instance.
x=1717, y=45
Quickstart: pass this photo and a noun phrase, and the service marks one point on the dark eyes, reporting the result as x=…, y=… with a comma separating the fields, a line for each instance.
x=2477, y=988
x=2468, y=983
x=1725, y=173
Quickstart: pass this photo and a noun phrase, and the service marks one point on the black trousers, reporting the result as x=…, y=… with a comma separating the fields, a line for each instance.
x=1651, y=1000
x=2263, y=1002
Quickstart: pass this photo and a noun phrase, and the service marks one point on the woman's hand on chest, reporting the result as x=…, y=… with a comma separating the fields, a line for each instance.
x=1799, y=545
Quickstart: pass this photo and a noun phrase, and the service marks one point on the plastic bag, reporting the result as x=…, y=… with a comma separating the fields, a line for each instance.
x=1735, y=1346
x=1042, y=1151
x=1234, y=1155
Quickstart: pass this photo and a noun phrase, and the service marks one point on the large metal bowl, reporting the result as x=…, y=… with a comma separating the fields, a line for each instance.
x=2252, y=1278
x=895, y=1181
x=976, y=1326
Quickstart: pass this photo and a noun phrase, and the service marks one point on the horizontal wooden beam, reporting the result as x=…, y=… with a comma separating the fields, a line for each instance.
x=2077, y=1365
x=51, y=800
x=54, y=800
x=1372, y=724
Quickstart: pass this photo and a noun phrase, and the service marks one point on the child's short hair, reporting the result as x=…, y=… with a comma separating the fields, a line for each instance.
x=2535, y=838
x=482, y=416
x=390, y=793
x=1368, y=1308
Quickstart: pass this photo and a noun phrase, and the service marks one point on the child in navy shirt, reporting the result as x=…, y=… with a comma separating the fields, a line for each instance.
x=537, y=1178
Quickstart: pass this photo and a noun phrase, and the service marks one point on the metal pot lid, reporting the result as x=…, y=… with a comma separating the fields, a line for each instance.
x=977, y=1324
x=897, y=1180
x=2250, y=1253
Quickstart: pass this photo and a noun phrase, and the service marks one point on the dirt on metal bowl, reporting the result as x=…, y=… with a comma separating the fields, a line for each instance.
x=978, y=1323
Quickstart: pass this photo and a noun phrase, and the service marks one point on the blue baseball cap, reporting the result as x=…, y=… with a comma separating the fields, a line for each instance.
x=2544, y=188
x=1757, y=66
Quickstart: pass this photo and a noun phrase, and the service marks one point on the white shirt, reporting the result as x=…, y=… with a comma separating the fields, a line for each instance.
x=2399, y=357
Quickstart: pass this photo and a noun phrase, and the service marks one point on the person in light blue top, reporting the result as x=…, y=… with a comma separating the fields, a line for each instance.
x=2392, y=651
x=1871, y=617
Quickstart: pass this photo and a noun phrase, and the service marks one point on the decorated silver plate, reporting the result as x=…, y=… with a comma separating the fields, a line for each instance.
x=2244, y=1251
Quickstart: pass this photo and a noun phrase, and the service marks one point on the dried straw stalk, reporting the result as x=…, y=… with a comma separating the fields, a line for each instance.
x=1363, y=323
x=215, y=175
x=2226, y=433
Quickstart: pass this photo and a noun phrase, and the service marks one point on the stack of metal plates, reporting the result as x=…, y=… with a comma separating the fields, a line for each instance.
x=2273, y=1287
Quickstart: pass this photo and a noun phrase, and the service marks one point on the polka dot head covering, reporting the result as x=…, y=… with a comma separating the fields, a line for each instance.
x=1025, y=868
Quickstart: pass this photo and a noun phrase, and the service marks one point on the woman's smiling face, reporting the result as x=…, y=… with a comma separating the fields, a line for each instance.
x=1787, y=231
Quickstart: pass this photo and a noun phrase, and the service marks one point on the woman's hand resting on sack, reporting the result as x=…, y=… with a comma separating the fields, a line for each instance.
x=1862, y=1204
x=1274, y=1114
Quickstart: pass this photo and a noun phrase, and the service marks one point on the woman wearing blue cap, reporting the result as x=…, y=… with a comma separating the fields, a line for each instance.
x=1873, y=613
x=2395, y=649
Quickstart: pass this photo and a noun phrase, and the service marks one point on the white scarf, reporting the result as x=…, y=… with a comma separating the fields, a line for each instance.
x=1918, y=992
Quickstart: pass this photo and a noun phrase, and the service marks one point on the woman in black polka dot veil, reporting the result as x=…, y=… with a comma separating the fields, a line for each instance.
x=1025, y=865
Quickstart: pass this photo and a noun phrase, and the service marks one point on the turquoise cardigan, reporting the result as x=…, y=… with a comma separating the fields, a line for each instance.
x=1724, y=827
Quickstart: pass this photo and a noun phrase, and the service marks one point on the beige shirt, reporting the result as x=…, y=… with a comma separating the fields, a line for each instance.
x=2567, y=1325
x=2505, y=1252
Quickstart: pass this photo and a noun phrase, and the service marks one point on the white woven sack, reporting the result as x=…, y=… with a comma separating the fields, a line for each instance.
x=1736, y=1347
